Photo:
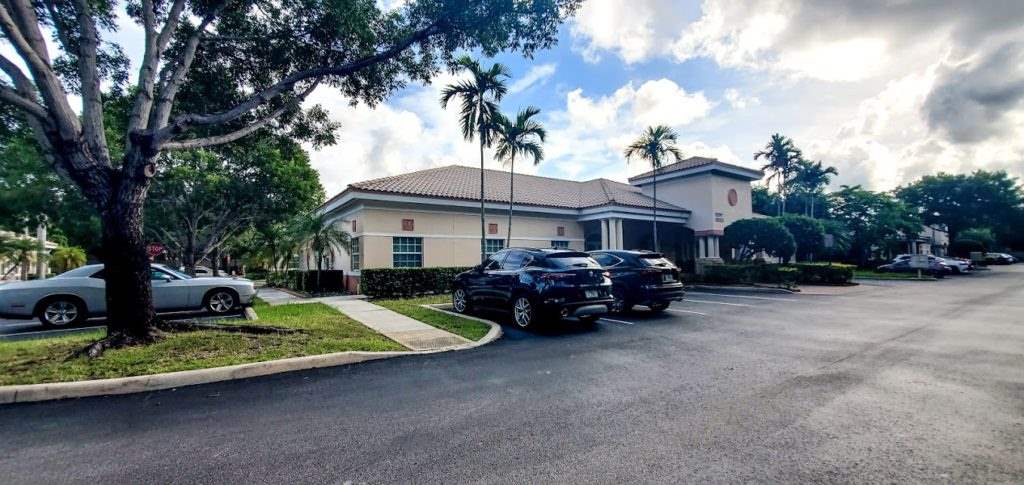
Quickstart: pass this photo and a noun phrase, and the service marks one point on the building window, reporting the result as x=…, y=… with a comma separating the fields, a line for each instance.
x=560, y=244
x=561, y=231
x=492, y=229
x=354, y=226
x=492, y=246
x=408, y=225
x=407, y=252
x=356, y=253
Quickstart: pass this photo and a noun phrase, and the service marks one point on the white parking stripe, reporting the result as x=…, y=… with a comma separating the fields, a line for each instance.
x=715, y=302
x=685, y=311
x=617, y=321
x=741, y=296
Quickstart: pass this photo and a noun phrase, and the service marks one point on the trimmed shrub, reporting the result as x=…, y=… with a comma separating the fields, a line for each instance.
x=330, y=281
x=832, y=274
x=786, y=275
x=407, y=282
x=731, y=274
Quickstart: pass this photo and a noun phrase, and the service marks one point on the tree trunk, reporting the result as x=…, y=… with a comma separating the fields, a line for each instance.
x=130, y=315
x=654, y=210
x=215, y=261
x=511, y=195
x=189, y=254
x=483, y=233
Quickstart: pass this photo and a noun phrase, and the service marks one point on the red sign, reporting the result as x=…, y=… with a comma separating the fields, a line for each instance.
x=155, y=249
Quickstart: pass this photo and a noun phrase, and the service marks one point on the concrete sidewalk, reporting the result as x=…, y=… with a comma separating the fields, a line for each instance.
x=411, y=333
x=274, y=297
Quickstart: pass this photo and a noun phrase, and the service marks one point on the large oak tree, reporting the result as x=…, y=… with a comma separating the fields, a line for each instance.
x=276, y=53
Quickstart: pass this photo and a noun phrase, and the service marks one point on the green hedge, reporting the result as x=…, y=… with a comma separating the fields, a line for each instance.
x=406, y=282
x=832, y=274
x=785, y=275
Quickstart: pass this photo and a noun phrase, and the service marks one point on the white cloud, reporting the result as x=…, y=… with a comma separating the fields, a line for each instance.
x=635, y=30
x=587, y=138
x=739, y=101
x=536, y=75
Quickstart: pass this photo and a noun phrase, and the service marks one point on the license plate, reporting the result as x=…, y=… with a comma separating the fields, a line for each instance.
x=591, y=293
x=667, y=278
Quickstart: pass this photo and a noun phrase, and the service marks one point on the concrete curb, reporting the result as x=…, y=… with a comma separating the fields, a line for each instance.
x=897, y=279
x=156, y=382
x=749, y=289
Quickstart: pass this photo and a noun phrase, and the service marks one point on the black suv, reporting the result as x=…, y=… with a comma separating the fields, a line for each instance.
x=640, y=278
x=536, y=283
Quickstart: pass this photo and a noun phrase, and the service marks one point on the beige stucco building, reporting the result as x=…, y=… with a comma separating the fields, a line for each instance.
x=431, y=218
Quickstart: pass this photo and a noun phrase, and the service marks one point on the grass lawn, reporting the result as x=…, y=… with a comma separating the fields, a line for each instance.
x=864, y=273
x=325, y=331
x=410, y=307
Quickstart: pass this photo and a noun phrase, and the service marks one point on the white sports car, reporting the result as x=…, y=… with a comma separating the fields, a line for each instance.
x=76, y=295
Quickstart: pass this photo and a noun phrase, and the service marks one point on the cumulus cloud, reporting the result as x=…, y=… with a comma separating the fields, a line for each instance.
x=535, y=76
x=738, y=100
x=634, y=30
x=587, y=138
x=972, y=101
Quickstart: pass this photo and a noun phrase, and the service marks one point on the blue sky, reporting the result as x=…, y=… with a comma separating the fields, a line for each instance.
x=884, y=91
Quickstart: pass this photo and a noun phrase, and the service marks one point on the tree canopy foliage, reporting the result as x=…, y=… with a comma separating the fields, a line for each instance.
x=808, y=233
x=752, y=236
x=981, y=199
x=872, y=219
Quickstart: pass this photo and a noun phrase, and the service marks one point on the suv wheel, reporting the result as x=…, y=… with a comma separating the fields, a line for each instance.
x=460, y=302
x=61, y=312
x=619, y=303
x=658, y=307
x=523, y=312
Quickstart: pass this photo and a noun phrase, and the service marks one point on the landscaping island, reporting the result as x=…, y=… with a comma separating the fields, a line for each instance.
x=321, y=330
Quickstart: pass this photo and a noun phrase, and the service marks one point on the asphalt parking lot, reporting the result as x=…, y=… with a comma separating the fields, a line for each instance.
x=885, y=382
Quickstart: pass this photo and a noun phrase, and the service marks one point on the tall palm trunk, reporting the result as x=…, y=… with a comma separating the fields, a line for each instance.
x=511, y=195
x=654, y=211
x=480, y=131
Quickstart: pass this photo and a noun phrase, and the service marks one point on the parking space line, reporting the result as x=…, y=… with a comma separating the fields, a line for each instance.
x=742, y=296
x=685, y=311
x=716, y=302
x=617, y=321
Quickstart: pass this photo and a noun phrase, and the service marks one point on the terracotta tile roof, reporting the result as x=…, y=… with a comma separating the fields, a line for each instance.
x=461, y=182
x=692, y=162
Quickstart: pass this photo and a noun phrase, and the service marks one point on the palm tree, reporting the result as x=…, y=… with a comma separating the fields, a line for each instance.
x=67, y=258
x=479, y=96
x=810, y=179
x=782, y=157
x=653, y=146
x=520, y=137
x=319, y=233
x=18, y=251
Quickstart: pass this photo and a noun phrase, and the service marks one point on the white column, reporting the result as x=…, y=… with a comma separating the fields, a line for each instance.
x=604, y=233
x=701, y=245
x=617, y=234
x=41, y=264
x=714, y=247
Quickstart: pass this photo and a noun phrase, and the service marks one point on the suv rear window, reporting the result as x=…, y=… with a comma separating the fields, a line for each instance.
x=568, y=260
x=654, y=261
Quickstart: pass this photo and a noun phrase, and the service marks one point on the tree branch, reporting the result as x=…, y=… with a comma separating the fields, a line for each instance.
x=92, y=101
x=11, y=97
x=185, y=122
x=235, y=135
x=46, y=81
x=169, y=87
x=147, y=71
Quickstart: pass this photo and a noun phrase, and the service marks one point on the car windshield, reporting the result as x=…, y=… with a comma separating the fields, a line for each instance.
x=571, y=260
x=654, y=260
x=83, y=272
x=178, y=274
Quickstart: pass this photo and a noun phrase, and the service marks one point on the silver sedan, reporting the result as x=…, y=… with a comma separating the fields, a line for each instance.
x=76, y=295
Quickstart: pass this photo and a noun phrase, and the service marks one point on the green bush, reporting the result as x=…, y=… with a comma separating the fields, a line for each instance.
x=406, y=282
x=833, y=274
x=785, y=275
x=731, y=274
